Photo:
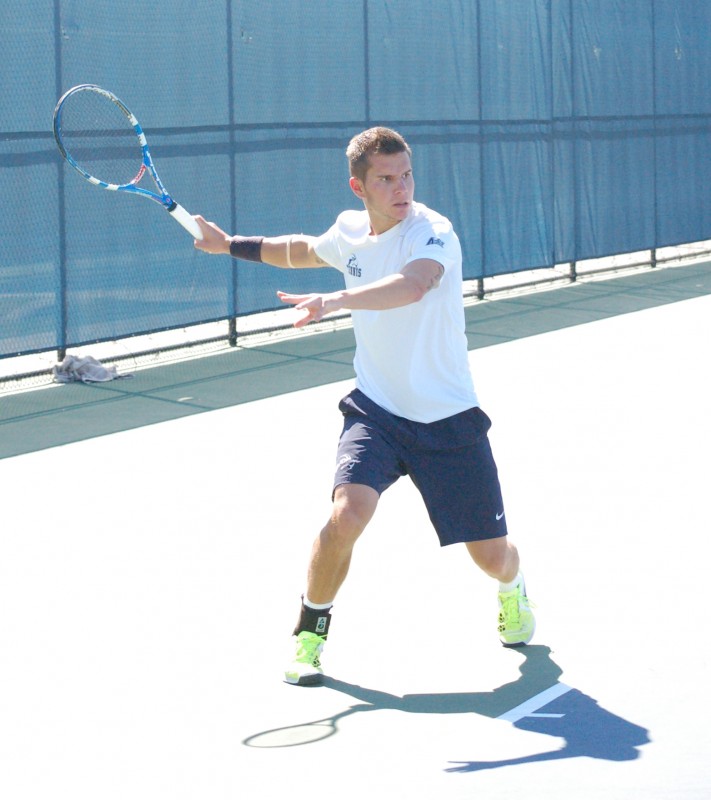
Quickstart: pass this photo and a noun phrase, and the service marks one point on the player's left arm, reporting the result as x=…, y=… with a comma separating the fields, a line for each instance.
x=410, y=285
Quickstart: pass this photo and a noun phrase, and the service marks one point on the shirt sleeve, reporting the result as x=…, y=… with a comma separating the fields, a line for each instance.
x=349, y=231
x=435, y=240
x=327, y=249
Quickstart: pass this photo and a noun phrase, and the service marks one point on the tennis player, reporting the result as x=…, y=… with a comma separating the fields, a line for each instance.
x=414, y=410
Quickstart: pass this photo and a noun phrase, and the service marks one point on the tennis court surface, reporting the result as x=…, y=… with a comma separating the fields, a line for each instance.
x=155, y=538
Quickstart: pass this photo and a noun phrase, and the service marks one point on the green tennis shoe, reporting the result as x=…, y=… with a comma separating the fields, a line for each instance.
x=516, y=621
x=305, y=669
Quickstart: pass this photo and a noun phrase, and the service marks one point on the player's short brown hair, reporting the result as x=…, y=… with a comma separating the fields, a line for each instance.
x=369, y=143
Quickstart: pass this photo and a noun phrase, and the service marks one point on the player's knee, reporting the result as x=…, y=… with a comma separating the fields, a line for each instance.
x=346, y=523
x=493, y=556
x=352, y=511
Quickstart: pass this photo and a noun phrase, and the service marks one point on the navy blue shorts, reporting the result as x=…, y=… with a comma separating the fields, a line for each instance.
x=449, y=461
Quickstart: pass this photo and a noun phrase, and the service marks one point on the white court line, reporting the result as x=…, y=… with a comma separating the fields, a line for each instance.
x=529, y=708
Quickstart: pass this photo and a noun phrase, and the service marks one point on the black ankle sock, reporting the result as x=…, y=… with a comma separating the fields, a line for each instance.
x=314, y=621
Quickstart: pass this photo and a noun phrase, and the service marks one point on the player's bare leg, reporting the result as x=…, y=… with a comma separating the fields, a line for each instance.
x=497, y=557
x=353, y=508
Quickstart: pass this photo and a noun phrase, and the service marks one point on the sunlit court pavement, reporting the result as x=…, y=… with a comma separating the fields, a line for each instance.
x=150, y=579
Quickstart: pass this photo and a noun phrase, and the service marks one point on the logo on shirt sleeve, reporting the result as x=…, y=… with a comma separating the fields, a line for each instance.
x=435, y=240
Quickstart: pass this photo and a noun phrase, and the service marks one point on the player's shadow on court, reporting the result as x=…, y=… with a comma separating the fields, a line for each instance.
x=586, y=728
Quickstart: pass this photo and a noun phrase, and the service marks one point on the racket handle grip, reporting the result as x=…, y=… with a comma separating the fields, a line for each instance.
x=180, y=215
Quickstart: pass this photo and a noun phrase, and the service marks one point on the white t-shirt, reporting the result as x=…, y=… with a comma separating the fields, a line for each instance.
x=412, y=361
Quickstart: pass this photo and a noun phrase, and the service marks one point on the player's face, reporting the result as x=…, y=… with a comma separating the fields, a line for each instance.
x=387, y=191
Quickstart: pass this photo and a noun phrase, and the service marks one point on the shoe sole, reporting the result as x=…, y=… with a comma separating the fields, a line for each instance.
x=519, y=644
x=515, y=644
x=306, y=680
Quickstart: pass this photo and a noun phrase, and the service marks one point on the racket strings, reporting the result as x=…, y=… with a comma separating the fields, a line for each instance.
x=99, y=137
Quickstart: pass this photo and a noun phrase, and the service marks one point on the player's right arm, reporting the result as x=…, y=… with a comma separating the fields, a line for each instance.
x=295, y=251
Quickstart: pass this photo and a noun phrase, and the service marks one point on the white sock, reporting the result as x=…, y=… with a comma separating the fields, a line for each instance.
x=316, y=606
x=509, y=587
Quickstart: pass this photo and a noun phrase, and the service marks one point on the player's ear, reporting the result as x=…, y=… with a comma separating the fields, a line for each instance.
x=356, y=186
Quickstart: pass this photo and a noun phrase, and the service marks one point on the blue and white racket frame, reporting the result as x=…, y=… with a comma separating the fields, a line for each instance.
x=178, y=213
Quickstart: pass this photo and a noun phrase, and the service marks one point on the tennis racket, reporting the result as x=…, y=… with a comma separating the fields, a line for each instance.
x=103, y=141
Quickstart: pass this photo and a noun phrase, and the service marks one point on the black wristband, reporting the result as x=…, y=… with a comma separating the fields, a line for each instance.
x=248, y=248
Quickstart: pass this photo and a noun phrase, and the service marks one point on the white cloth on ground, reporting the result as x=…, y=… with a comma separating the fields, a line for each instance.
x=85, y=369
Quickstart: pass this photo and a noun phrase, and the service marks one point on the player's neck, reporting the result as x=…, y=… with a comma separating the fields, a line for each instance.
x=380, y=223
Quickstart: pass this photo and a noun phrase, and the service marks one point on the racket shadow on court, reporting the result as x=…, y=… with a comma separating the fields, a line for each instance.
x=537, y=701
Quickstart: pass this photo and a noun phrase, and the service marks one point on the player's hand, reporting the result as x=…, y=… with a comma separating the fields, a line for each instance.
x=214, y=239
x=314, y=306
